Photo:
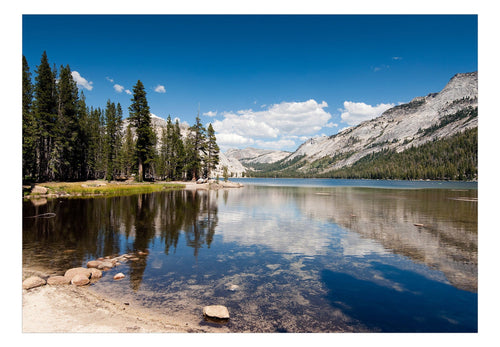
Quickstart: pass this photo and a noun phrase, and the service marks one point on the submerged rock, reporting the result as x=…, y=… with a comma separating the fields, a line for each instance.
x=33, y=282
x=216, y=311
x=105, y=265
x=119, y=276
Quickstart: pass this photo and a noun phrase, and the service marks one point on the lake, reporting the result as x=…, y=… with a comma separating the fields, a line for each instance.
x=283, y=255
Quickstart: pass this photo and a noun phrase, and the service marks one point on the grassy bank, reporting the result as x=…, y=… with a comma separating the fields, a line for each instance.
x=93, y=188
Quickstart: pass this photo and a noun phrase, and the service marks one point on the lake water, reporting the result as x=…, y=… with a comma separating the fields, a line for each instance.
x=282, y=255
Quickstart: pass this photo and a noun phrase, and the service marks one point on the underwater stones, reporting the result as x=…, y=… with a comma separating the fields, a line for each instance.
x=33, y=282
x=58, y=280
x=233, y=287
x=105, y=265
x=216, y=311
x=119, y=276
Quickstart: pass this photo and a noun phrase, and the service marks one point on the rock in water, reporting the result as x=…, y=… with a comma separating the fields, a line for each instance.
x=58, y=280
x=119, y=276
x=93, y=263
x=80, y=280
x=95, y=274
x=216, y=311
x=33, y=282
x=106, y=265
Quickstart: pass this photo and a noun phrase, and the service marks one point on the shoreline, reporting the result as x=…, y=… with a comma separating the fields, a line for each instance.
x=97, y=188
x=72, y=309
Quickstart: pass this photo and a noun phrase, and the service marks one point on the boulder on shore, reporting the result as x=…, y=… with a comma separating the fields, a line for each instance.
x=95, y=274
x=58, y=280
x=33, y=282
x=80, y=280
x=78, y=271
x=39, y=190
x=216, y=311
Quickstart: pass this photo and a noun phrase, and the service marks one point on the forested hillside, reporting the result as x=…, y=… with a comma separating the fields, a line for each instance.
x=64, y=139
x=454, y=158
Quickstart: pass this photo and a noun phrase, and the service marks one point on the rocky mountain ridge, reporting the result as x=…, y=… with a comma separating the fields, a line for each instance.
x=424, y=119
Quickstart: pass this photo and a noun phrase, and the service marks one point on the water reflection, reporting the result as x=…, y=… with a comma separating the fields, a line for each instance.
x=85, y=229
x=281, y=258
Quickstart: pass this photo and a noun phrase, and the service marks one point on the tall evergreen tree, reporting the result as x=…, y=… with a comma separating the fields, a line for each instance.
x=64, y=154
x=82, y=148
x=45, y=113
x=113, y=137
x=178, y=153
x=29, y=126
x=128, y=153
x=195, y=149
x=140, y=118
x=212, y=151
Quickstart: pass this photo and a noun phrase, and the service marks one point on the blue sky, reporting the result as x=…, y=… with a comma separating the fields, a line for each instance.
x=265, y=81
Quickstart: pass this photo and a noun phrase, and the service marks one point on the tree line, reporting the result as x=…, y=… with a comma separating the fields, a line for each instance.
x=65, y=140
x=453, y=158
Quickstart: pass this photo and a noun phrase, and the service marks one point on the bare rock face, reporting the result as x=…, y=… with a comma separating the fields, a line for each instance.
x=33, y=282
x=216, y=311
x=58, y=280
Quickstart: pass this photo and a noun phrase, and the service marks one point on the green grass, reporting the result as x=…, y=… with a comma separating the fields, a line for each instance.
x=93, y=188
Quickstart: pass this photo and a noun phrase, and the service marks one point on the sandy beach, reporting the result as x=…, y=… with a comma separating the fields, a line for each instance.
x=68, y=308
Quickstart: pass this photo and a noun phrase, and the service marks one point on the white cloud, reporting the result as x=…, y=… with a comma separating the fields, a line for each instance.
x=278, y=126
x=110, y=79
x=80, y=81
x=128, y=92
x=118, y=88
x=357, y=112
x=397, y=58
x=210, y=113
x=160, y=89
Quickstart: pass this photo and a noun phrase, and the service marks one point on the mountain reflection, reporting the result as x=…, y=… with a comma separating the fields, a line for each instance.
x=299, y=220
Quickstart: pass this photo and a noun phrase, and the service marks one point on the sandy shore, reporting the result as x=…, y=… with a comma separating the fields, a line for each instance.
x=69, y=308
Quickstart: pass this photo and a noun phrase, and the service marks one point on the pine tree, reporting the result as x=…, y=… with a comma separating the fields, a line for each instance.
x=64, y=155
x=195, y=148
x=128, y=156
x=29, y=126
x=212, y=151
x=178, y=153
x=113, y=137
x=82, y=141
x=45, y=114
x=140, y=118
